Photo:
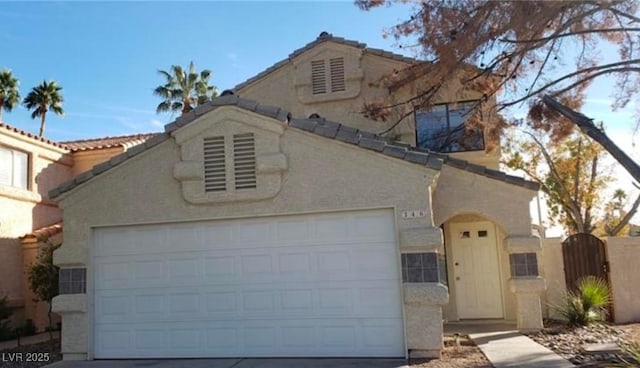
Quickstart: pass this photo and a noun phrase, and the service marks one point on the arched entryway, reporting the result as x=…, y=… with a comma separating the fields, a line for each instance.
x=477, y=268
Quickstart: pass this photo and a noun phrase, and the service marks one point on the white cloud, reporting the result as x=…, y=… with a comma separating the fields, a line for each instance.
x=157, y=123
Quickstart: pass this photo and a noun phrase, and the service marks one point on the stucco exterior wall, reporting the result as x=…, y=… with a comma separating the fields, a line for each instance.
x=22, y=211
x=552, y=268
x=349, y=110
x=623, y=254
x=462, y=192
x=321, y=175
x=85, y=160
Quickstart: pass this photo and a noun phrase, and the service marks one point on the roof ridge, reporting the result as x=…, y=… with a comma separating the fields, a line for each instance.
x=32, y=136
x=110, y=137
x=319, y=126
x=325, y=37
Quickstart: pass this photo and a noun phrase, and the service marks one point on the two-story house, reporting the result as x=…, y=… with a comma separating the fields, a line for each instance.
x=272, y=222
x=30, y=166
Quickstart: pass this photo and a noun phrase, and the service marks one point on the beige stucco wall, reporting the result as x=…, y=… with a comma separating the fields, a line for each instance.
x=462, y=192
x=322, y=175
x=624, y=275
x=552, y=268
x=85, y=160
x=623, y=254
x=22, y=211
x=279, y=88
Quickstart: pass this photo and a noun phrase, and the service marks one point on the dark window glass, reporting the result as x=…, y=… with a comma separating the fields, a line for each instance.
x=524, y=264
x=442, y=129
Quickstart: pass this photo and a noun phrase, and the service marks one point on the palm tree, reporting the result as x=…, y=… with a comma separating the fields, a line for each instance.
x=183, y=90
x=9, y=95
x=42, y=98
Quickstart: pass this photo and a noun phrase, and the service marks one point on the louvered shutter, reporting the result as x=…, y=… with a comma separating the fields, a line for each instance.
x=244, y=161
x=336, y=68
x=318, y=77
x=215, y=178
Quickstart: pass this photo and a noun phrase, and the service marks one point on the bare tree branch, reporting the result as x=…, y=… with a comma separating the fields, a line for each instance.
x=586, y=126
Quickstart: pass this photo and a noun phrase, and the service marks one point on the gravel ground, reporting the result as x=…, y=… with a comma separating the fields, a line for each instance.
x=467, y=355
x=31, y=356
x=569, y=341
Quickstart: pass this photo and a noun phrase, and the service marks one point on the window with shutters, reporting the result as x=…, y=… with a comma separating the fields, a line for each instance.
x=242, y=154
x=215, y=178
x=336, y=79
x=14, y=168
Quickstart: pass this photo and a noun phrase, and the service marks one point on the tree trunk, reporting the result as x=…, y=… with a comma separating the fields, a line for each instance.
x=50, y=324
x=586, y=125
x=42, y=123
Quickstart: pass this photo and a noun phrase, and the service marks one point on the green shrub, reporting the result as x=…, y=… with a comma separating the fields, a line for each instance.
x=29, y=328
x=6, y=332
x=588, y=304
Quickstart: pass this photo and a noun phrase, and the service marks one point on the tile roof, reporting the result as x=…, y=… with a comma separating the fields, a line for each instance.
x=108, y=142
x=325, y=37
x=320, y=127
x=5, y=126
x=44, y=233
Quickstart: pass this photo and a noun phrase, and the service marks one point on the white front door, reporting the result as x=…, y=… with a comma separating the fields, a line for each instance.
x=476, y=270
x=304, y=285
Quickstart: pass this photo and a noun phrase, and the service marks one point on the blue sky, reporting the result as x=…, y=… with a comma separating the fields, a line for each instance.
x=106, y=55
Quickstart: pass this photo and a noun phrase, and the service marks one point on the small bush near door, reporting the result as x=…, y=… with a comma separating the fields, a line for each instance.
x=587, y=304
x=6, y=332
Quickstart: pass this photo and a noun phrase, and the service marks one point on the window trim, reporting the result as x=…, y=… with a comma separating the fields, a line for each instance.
x=446, y=104
x=28, y=172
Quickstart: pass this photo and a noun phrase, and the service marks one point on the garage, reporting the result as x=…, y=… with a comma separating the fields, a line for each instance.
x=302, y=285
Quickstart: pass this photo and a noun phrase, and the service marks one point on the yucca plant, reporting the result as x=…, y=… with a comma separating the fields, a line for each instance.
x=587, y=304
x=630, y=358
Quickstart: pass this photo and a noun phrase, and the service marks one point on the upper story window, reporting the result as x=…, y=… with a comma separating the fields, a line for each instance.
x=14, y=168
x=323, y=83
x=442, y=128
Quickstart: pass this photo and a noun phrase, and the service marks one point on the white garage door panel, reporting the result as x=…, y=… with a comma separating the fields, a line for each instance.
x=312, y=285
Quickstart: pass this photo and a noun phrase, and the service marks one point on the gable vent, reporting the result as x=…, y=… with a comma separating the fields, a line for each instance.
x=244, y=161
x=215, y=179
x=336, y=67
x=318, y=77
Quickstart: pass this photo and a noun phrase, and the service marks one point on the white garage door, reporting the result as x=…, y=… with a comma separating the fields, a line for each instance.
x=311, y=285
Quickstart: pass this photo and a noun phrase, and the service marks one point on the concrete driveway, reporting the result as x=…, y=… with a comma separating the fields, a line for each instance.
x=236, y=363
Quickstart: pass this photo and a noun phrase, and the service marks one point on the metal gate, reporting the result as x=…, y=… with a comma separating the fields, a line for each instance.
x=584, y=255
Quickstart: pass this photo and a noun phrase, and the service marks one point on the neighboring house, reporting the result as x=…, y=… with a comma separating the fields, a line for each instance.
x=248, y=229
x=30, y=166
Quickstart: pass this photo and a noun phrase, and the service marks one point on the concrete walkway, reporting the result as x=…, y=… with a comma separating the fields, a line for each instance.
x=235, y=363
x=28, y=340
x=507, y=349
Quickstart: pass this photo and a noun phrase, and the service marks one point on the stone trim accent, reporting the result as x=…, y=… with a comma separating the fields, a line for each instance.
x=425, y=239
x=70, y=303
x=425, y=294
x=522, y=244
